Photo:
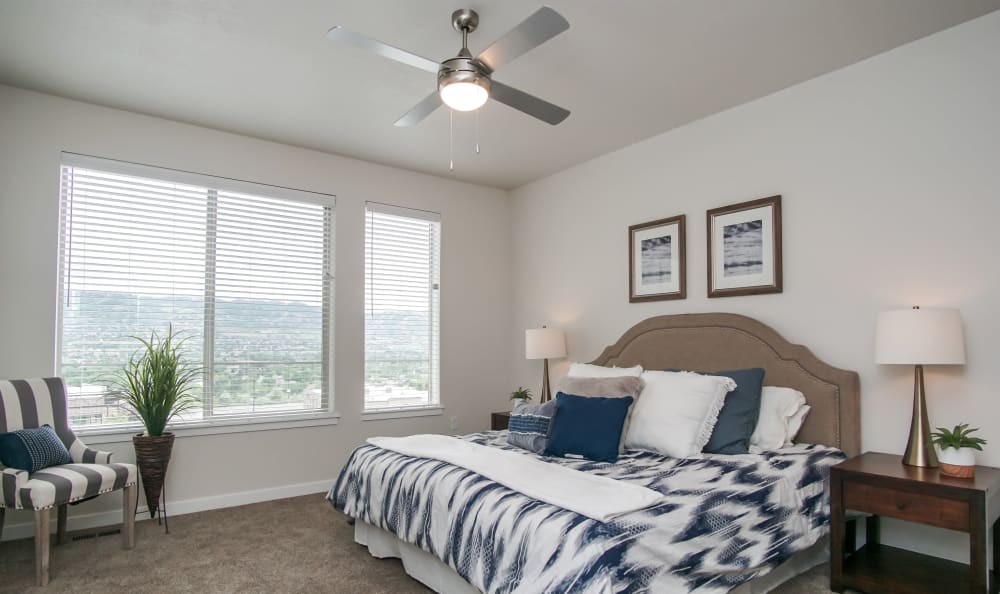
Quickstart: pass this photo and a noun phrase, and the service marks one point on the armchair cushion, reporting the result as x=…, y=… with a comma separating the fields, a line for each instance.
x=67, y=483
x=33, y=449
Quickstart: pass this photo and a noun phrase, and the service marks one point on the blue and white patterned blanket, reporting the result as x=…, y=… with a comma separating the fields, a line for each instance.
x=723, y=519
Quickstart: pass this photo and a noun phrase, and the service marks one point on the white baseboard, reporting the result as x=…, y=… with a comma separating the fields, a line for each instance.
x=179, y=508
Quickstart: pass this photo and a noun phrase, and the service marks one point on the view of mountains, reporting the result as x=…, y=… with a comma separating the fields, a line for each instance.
x=265, y=350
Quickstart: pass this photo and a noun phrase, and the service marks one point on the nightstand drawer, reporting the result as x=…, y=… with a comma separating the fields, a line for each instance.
x=903, y=505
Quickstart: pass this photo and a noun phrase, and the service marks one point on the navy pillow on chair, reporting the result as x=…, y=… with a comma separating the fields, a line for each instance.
x=590, y=427
x=33, y=449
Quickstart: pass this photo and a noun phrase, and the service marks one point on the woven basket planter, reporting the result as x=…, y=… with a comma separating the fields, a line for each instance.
x=152, y=454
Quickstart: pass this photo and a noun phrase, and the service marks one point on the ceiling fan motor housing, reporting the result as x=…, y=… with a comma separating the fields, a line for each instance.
x=463, y=69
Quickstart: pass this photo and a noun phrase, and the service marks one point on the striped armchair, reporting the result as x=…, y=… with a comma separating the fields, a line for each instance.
x=27, y=404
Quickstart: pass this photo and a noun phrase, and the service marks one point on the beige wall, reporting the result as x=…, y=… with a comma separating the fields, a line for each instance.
x=475, y=301
x=890, y=177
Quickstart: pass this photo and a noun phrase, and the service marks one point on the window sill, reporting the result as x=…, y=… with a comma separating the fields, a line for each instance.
x=124, y=434
x=402, y=413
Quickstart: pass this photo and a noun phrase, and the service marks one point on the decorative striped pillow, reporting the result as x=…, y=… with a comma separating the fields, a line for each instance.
x=529, y=424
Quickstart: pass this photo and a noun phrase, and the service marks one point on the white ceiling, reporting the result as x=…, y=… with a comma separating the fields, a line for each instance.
x=626, y=70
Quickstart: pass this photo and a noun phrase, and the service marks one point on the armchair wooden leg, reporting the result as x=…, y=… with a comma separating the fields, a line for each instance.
x=3, y=512
x=61, y=523
x=128, y=516
x=42, y=547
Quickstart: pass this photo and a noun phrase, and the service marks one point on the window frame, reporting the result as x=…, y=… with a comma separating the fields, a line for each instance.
x=435, y=405
x=234, y=423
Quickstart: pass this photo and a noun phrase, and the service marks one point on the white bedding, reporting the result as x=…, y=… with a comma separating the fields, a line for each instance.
x=596, y=497
x=722, y=520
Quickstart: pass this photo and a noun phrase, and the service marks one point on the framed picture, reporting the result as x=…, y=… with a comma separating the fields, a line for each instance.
x=656, y=260
x=744, y=248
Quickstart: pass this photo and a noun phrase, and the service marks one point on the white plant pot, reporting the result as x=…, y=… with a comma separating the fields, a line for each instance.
x=958, y=462
x=958, y=457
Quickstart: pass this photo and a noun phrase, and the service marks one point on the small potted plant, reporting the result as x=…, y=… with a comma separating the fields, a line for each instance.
x=156, y=384
x=955, y=447
x=520, y=396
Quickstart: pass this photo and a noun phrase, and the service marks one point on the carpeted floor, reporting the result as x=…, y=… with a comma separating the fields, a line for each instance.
x=289, y=545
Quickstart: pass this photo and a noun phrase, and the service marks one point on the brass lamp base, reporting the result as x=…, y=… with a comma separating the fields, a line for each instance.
x=546, y=391
x=919, y=447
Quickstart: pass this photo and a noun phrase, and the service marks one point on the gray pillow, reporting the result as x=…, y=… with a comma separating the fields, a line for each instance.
x=528, y=427
x=738, y=417
x=604, y=387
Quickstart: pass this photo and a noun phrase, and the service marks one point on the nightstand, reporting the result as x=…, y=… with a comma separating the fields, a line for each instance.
x=499, y=420
x=880, y=485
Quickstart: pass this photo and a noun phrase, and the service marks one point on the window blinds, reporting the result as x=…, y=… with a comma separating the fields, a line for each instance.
x=244, y=277
x=402, y=305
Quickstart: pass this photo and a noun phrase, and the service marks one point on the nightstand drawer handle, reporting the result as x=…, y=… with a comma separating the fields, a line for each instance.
x=900, y=505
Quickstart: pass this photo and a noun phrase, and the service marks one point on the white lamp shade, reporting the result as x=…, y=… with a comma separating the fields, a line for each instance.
x=544, y=343
x=919, y=337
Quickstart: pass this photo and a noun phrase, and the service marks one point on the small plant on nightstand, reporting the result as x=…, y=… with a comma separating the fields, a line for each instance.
x=956, y=447
x=521, y=395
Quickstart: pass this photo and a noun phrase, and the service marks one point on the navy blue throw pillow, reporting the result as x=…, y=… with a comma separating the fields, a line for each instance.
x=33, y=449
x=738, y=417
x=590, y=427
x=528, y=427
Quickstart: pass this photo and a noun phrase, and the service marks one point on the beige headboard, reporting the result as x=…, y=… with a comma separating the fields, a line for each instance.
x=721, y=341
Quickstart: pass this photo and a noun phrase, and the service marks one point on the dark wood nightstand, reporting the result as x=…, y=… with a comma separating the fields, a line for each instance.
x=880, y=485
x=499, y=420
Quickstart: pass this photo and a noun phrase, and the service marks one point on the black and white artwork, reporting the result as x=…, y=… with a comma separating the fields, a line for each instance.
x=656, y=260
x=744, y=248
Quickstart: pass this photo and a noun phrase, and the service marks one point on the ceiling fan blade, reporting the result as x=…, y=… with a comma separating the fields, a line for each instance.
x=420, y=111
x=529, y=104
x=385, y=50
x=531, y=33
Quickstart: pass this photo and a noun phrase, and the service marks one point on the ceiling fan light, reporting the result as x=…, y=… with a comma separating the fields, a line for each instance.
x=464, y=95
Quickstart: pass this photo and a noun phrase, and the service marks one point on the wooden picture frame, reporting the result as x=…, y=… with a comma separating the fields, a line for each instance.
x=744, y=248
x=657, y=260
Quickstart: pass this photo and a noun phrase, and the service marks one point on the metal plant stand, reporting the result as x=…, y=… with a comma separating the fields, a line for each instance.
x=161, y=511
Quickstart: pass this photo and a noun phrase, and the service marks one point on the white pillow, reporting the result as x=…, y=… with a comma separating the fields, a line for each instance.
x=588, y=370
x=795, y=423
x=782, y=411
x=676, y=412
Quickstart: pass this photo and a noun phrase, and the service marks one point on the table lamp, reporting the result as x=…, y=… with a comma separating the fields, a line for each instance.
x=919, y=337
x=544, y=343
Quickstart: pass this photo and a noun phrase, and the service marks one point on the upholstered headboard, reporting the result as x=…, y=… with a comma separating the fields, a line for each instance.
x=721, y=341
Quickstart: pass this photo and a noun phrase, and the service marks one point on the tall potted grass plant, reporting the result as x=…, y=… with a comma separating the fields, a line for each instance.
x=156, y=384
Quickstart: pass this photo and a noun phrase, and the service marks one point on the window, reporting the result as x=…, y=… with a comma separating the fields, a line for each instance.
x=402, y=303
x=244, y=273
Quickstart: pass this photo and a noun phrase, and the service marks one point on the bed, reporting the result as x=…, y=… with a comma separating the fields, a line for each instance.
x=740, y=524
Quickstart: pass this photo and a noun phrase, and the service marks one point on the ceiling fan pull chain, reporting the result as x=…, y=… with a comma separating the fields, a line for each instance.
x=477, y=131
x=451, y=140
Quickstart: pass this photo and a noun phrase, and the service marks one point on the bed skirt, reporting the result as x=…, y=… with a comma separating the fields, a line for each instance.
x=438, y=576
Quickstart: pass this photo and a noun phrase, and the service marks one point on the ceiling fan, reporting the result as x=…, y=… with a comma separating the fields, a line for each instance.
x=466, y=82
